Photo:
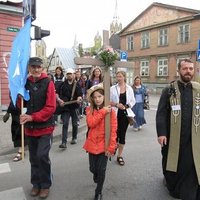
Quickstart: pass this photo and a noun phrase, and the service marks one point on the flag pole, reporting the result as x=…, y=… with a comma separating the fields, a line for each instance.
x=22, y=128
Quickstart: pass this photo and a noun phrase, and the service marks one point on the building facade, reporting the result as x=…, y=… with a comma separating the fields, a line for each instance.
x=157, y=39
x=11, y=19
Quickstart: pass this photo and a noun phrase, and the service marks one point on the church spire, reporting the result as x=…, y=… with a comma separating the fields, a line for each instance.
x=116, y=17
x=115, y=26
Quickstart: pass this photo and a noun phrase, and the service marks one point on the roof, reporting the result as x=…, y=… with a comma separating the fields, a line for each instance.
x=66, y=56
x=178, y=8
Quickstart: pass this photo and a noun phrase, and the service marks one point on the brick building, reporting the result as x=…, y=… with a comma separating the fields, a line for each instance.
x=11, y=15
x=157, y=39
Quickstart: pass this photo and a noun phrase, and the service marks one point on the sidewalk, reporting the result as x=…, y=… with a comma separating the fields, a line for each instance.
x=6, y=145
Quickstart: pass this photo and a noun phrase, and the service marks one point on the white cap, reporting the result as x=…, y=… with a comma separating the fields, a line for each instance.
x=69, y=71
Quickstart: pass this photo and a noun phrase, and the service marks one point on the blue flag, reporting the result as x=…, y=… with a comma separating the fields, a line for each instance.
x=18, y=71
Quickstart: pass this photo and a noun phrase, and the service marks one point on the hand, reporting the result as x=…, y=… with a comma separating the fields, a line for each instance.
x=108, y=108
x=61, y=102
x=121, y=106
x=25, y=118
x=79, y=99
x=162, y=140
x=108, y=154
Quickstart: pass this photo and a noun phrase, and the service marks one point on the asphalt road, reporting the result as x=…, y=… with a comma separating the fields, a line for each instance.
x=140, y=178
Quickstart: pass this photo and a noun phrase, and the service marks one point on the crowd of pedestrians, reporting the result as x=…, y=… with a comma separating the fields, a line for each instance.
x=76, y=93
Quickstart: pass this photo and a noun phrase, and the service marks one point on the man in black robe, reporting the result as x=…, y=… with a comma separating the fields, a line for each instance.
x=183, y=182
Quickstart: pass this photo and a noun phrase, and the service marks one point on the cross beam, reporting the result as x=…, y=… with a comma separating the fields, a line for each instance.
x=97, y=62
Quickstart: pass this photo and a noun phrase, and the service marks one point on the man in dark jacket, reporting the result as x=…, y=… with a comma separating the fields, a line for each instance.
x=69, y=92
x=39, y=126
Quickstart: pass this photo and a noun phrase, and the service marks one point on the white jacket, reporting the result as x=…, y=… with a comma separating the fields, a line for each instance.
x=115, y=92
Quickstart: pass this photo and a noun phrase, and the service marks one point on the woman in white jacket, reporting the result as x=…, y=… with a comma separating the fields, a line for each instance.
x=122, y=98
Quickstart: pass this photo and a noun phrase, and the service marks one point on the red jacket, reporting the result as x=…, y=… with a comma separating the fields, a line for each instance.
x=45, y=113
x=95, y=142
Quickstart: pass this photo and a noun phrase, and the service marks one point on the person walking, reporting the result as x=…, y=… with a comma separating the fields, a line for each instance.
x=122, y=98
x=178, y=130
x=140, y=92
x=39, y=126
x=95, y=78
x=82, y=82
x=69, y=91
x=95, y=141
x=16, y=130
x=59, y=78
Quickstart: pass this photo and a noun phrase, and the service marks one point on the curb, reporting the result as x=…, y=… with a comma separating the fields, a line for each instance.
x=56, y=137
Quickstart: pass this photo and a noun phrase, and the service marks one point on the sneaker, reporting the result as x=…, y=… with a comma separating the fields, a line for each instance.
x=44, y=193
x=140, y=127
x=35, y=192
x=63, y=146
x=135, y=129
x=74, y=141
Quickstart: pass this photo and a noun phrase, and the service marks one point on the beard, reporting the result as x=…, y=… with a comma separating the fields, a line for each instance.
x=186, y=78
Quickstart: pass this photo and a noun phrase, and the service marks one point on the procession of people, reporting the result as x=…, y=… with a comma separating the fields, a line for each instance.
x=69, y=89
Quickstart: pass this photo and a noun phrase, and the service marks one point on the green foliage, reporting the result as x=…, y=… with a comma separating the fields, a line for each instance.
x=108, y=56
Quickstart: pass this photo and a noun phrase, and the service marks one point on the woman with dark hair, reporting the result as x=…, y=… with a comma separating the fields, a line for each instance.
x=95, y=79
x=59, y=78
x=140, y=92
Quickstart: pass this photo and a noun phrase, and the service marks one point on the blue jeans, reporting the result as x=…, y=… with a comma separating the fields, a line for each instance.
x=65, y=117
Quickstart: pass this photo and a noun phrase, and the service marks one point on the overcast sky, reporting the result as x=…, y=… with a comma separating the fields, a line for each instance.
x=84, y=18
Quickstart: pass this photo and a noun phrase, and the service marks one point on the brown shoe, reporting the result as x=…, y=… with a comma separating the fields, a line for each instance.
x=35, y=192
x=44, y=193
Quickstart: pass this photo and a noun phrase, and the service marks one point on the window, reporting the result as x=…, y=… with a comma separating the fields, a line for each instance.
x=145, y=40
x=163, y=37
x=130, y=45
x=144, y=68
x=183, y=33
x=162, y=67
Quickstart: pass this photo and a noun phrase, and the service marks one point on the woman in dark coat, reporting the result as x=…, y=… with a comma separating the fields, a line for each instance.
x=16, y=130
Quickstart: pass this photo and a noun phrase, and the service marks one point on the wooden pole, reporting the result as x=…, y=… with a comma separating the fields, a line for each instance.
x=22, y=129
x=107, y=102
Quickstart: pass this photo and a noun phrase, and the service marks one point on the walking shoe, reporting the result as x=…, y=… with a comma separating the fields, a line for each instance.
x=74, y=141
x=44, y=193
x=63, y=146
x=140, y=127
x=135, y=129
x=98, y=197
x=35, y=192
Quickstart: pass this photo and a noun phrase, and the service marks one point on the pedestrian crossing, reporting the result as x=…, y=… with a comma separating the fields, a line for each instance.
x=14, y=193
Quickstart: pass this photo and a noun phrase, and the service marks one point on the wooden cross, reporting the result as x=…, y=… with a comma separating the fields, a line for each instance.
x=97, y=62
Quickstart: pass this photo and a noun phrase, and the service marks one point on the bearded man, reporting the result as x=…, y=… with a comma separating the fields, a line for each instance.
x=178, y=130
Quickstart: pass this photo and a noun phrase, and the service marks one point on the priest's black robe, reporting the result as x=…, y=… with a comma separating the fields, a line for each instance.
x=182, y=184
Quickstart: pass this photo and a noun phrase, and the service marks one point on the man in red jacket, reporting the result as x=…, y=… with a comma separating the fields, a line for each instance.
x=39, y=126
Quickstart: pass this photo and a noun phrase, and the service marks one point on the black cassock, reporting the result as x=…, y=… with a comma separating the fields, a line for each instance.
x=182, y=184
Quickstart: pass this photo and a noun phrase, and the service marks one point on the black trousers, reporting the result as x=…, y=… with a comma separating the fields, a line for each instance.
x=66, y=117
x=98, y=164
x=122, y=125
x=39, y=148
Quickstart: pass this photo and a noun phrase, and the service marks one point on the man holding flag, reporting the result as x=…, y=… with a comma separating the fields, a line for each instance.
x=39, y=126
